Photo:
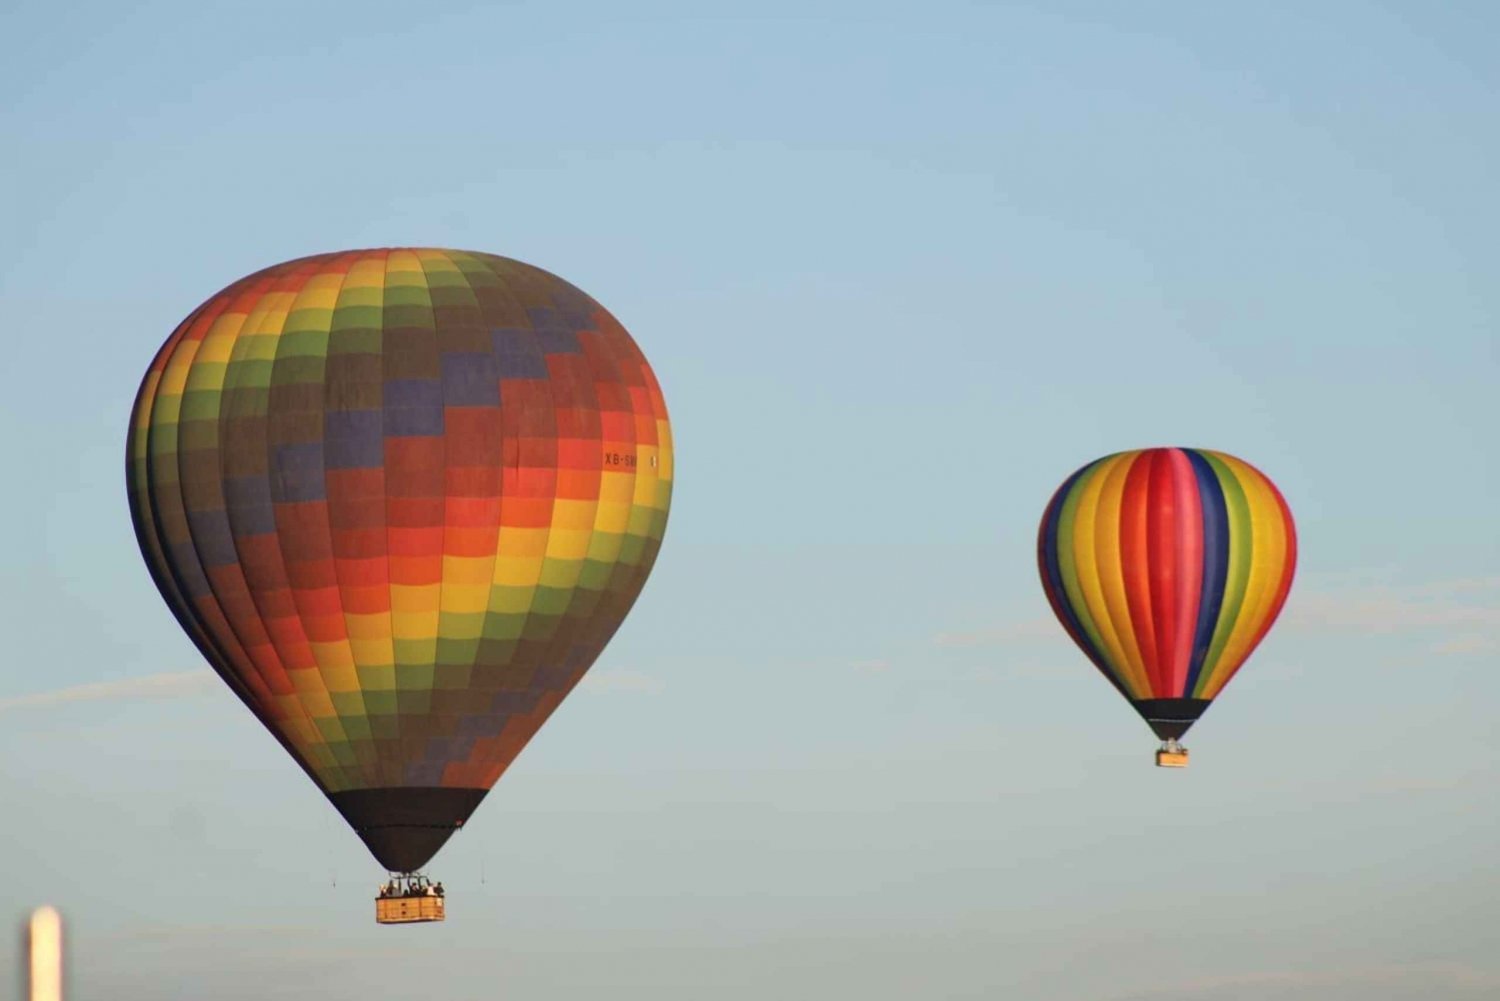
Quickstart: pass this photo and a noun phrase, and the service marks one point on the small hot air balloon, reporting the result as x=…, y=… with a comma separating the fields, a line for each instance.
x=1167, y=566
x=400, y=500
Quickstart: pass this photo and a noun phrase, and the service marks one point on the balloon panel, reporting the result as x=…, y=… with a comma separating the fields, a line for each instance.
x=1167, y=566
x=401, y=499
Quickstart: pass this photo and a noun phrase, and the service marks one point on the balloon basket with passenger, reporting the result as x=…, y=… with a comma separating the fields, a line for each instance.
x=409, y=898
x=1171, y=755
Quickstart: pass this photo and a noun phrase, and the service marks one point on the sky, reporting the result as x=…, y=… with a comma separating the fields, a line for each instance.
x=900, y=269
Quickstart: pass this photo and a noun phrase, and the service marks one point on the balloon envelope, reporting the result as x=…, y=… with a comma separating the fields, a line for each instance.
x=1167, y=566
x=400, y=499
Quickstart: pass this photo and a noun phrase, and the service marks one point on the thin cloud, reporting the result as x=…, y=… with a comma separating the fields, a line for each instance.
x=1460, y=585
x=1425, y=981
x=1470, y=604
x=1466, y=607
x=874, y=666
x=600, y=682
x=174, y=685
x=1467, y=643
x=1028, y=629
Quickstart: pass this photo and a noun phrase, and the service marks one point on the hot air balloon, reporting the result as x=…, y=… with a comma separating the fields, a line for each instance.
x=1167, y=566
x=400, y=500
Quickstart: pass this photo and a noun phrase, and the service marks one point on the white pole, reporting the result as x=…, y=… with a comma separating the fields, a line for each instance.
x=46, y=955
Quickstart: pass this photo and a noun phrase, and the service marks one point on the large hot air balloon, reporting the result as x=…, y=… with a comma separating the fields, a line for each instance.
x=1167, y=566
x=400, y=500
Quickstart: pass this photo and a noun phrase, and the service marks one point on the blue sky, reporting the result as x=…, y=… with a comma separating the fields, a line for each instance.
x=899, y=271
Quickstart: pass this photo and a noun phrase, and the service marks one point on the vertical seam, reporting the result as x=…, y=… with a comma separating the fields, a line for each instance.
x=459, y=259
x=224, y=388
x=347, y=261
x=302, y=274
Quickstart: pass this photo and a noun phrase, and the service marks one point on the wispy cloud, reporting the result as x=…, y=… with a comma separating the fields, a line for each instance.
x=1465, y=612
x=1390, y=609
x=872, y=666
x=1462, y=614
x=229, y=961
x=172, y=685
x=1426, y=981
x=621, y=680
x=1026, y=629
x=1467, y=643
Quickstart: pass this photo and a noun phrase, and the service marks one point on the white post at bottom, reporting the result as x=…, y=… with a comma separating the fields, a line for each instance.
x=44, y=941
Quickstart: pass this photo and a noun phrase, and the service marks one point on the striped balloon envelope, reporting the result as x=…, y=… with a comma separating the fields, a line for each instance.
x=400, y=500
x=1167, y=566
